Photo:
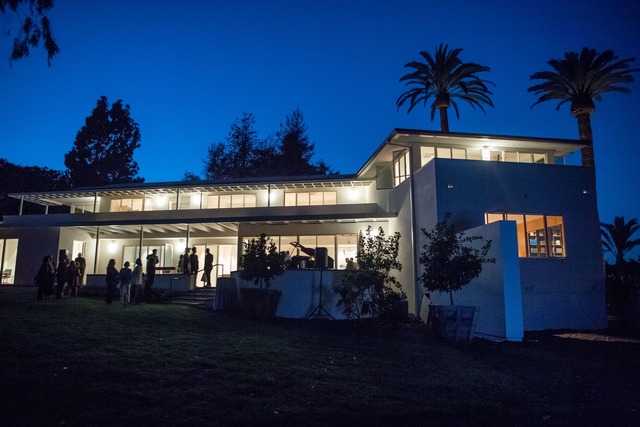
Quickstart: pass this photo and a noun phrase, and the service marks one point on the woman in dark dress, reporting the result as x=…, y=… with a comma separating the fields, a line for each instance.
x=45, y=277
x=113, y=277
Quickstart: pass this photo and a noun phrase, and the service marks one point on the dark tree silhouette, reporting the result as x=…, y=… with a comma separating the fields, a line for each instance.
x=445, y=78
x=295, y=149
x=190, y=176
x=580, y=79
x=34, y=27
x=102, y=153
x=242, y=155
x=17, y=179
x=617, y=239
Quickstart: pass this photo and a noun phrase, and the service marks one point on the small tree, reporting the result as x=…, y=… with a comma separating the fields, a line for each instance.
x=448, y=263
x=261, y=261
x=365, y=290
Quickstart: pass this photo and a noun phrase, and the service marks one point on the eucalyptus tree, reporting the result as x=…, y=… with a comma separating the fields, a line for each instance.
x=34, y=27
x=445, y=78
x=580, y=79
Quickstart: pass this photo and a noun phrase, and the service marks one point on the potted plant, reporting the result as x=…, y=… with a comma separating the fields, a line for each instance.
x=449, y=264
x=260, y=263
x=368, y=289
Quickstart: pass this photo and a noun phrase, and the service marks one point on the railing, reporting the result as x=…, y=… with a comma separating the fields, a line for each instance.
x=171, y=284
x=188, y=277
x=216, y=267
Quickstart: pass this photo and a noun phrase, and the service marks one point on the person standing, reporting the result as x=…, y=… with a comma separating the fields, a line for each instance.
x=194, y=263
x=61, y=276
x=152, y=260
x=45, y=277
x=72, y=279
x=208, y=266
x=136, y=281
x=186, y=263
x=112, y=280
x=82, y=266
x=125, y=283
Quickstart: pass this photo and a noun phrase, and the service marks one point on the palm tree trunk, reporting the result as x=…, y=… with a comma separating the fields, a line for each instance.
x=444, y=119
x=584, y=130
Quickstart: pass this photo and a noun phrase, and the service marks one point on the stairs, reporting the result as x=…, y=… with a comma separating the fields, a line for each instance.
x=202, y=298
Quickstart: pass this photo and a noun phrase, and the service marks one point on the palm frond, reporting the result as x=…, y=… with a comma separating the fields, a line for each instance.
x=444, y=76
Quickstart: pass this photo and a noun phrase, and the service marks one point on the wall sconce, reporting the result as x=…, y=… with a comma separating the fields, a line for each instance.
x=353, y=194
x=449, y=185
x=112, y=246
x=486, y=154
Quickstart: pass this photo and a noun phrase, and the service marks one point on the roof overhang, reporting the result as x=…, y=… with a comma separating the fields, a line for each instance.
x=406, y=137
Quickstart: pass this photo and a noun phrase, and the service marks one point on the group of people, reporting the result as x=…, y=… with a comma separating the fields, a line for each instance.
x=68, y=276
x=126, y=279
x=189, y=263
x=65, y=279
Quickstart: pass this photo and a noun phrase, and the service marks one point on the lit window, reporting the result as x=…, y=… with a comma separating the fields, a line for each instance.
x=314, y=198
x=400, y=167
x=444, y=153
x=458, y=153
x=539, y=236
x=426, y=155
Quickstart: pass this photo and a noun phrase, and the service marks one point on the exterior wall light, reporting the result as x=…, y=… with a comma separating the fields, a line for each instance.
x=486, y=154
x=449, y=185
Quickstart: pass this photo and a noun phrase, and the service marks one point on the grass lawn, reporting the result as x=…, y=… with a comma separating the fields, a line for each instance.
x=82, y=362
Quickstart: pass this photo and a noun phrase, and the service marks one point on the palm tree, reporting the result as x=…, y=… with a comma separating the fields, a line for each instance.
x=445, y=78
x=616, y=238
x=579, y=79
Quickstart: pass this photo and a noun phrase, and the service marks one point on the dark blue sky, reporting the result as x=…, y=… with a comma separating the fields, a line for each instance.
x=187, y=69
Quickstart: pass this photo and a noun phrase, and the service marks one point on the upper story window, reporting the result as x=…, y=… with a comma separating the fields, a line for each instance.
x=480, y=153
x=126, y=205
x=224, y=201
x=311, y=198
x=401, y=167
x=539, y=236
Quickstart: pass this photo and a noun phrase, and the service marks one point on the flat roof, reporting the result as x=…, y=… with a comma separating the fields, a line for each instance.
x=406, y=137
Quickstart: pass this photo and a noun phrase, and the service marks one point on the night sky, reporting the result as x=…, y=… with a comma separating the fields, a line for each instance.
x=189, y=68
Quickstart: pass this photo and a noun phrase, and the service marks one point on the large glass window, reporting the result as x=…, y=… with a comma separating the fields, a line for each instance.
x=401, y=168
x=313, y=198
x=126, y=205
x=339, y=247
x=8, y=254
x=225, y=201
x=539, y=236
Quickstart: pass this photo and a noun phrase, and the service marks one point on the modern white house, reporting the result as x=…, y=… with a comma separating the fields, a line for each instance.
x=540, y=214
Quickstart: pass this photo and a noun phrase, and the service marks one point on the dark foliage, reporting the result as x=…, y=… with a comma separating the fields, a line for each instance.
x=34, y=27
x=18, y=179
x=102, y=153
x=295, y=150
x=261, y=261
x=366, y=290
x=445, y=79
x=449, y=264
x=244, y=154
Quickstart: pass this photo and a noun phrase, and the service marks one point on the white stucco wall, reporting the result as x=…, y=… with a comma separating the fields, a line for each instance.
x=497, y=292
x=557, y=293
x=301, y=292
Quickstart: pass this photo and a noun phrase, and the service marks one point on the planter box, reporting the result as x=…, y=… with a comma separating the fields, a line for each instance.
x=259, y=302
x=455, y=322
